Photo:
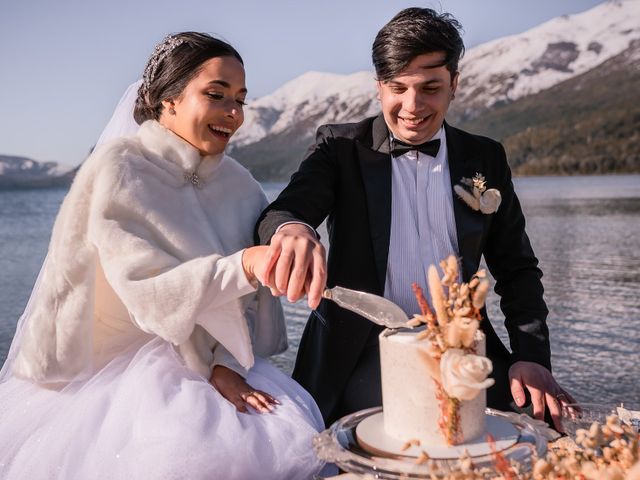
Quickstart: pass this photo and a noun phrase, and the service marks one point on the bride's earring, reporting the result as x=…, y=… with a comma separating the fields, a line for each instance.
x=169, y=106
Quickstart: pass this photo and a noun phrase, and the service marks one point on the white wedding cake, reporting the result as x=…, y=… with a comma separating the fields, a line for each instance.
x=411, y=408
x=434, y=378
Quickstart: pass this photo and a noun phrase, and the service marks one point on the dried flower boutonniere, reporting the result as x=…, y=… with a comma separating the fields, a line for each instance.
x=476, y=194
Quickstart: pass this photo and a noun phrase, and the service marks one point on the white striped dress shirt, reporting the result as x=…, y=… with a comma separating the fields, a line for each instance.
x=423, y=227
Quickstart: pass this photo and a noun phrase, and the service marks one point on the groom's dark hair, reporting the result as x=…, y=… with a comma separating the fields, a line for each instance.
x=176, y=60
x=412, y=32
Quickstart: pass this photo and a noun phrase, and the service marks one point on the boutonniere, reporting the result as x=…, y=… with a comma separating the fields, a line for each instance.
x=473, y=192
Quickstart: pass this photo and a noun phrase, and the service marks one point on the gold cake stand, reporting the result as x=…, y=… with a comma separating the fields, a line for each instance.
x=340, y=444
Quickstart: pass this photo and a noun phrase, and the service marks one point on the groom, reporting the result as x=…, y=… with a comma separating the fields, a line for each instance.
x=385, y=185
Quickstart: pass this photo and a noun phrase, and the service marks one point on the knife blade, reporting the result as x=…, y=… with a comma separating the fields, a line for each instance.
x=377, y=309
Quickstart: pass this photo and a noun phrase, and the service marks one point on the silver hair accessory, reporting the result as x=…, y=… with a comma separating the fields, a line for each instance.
x=162, y=50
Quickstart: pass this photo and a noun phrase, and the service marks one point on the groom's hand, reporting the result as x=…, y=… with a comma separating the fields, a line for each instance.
x=543, y=389
x=295, y=264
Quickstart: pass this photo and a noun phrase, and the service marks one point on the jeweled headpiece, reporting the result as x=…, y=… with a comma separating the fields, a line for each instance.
x=161, y=51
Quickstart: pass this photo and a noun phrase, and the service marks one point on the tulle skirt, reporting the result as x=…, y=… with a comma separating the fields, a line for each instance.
x=146, y=416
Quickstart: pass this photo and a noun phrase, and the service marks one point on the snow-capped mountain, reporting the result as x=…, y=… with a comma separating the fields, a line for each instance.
x=512, y=67
x=327, y=97
x=278, y=127
x=25, y=172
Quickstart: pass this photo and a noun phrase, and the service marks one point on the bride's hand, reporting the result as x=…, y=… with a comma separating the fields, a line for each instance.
x=252, y=260
x=236, y=390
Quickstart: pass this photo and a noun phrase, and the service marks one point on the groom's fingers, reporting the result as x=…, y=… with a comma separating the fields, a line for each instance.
x=283, y=268
x=555, y=410
x=517, y=391
x=318, y=277
x=289, y=260
x=537, y=400
x=298, y=274
x=267, y=273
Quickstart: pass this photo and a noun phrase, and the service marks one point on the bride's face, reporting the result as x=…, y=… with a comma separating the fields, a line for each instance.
x=209, y=110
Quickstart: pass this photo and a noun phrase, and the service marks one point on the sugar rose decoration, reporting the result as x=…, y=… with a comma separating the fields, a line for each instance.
x=449, y=352
x=473, y=192
x=464, y=375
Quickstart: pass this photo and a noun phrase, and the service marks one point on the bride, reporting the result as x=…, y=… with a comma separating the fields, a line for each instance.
x=138, y=355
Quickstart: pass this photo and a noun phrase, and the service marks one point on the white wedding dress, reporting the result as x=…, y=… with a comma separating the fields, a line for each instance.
x=142, y=293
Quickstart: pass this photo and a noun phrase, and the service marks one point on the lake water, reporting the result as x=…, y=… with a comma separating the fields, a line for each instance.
x=585, y=231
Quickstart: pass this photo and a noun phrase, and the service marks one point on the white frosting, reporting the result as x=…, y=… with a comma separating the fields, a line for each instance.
x=411, y=409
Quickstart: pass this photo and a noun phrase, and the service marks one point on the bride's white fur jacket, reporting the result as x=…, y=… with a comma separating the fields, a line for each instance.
x=138, y=251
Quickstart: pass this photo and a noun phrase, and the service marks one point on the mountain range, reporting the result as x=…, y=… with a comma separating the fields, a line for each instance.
x=22, y=172
x=562, y=97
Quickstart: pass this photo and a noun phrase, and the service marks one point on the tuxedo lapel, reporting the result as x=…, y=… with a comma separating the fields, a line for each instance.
x=469, y=223
x=375, y=165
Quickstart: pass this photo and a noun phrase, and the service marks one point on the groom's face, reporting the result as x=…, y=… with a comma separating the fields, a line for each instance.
x=415, y=102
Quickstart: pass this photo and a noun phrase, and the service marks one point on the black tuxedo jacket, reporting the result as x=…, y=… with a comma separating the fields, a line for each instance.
x=346, y=176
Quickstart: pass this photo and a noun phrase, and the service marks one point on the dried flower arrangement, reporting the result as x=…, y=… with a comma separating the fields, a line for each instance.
x=604, y=452
x=450, y=350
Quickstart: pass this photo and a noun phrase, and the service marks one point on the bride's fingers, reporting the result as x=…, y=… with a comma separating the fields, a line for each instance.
x=257, y=403
x=274, y=400
x=267, y=398
x=261, y=401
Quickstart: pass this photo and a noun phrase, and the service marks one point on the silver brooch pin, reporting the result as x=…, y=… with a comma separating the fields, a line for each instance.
x=193, y=178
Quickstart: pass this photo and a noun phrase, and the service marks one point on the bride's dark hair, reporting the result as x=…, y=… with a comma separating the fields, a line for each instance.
x=175, y=61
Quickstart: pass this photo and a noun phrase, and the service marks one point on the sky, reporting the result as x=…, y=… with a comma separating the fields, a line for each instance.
x=65, y=63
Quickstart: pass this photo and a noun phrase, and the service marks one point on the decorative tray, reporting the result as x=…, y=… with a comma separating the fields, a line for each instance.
x=342, y=444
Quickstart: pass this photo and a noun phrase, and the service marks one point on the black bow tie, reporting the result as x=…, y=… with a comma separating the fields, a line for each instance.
x=428, y=148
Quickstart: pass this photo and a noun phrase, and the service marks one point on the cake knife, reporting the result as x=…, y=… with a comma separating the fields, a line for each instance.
x=372, y=307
